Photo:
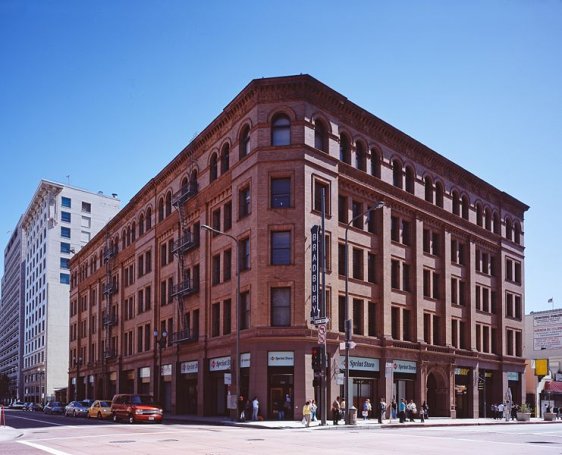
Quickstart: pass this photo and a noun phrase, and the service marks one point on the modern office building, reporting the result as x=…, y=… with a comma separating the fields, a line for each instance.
x=11, y=314
x=435, y=277
x=58, y=222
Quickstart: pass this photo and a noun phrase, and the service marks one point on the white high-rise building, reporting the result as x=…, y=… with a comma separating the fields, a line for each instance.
x=59, y=220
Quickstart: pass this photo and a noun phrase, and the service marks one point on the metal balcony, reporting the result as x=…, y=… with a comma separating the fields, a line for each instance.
x=185, y=243
x=110, y=288
x=183, y=336
x=187, y=192
x=109, y=354
x=109, y=319
x=109, y=252
x=186, y=287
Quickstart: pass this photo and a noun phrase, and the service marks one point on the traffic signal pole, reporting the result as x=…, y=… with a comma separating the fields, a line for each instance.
x=324, y=352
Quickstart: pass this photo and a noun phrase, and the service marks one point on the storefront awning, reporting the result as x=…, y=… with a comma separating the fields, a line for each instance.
x=553, y=387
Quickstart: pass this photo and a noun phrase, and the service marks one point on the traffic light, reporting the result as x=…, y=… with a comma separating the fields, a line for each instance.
x=317, y=358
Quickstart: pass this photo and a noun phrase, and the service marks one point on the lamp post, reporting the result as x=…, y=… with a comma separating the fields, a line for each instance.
x=348, y=324
x=77, y=362
x=160, y=342
x=236, y=364
x=41, y=373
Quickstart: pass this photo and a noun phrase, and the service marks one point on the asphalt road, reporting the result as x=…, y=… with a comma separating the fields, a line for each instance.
x=60, y=435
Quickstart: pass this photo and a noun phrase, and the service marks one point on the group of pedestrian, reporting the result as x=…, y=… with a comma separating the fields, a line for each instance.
x=338, y=410
x=404, y=410
x=247, y=408
x=501, y=411
x=408, y=411
x=309, y=411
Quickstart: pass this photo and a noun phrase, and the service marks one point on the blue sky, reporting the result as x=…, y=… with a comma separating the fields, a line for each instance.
x=108, y=92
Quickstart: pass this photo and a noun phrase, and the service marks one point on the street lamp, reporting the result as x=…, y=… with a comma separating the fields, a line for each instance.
x=348, y=324
x=236, y=364
x=160, y=342
x=41, y=373
x=77, y=362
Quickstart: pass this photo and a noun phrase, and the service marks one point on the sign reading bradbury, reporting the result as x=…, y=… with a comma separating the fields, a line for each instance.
x=314, y=272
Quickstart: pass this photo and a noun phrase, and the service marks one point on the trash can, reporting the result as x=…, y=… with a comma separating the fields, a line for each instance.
x=352, y=415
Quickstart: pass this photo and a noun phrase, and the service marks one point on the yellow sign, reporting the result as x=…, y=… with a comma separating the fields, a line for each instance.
x=541, y=367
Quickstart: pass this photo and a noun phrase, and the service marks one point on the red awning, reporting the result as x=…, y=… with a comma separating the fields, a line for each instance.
x=553, y=387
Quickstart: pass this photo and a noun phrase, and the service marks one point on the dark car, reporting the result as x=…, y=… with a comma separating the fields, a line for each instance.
x=53, y=407
x=77, y=408
x=34, y=407
x=135, y=408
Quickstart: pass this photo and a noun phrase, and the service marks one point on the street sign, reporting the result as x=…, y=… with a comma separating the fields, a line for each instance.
x=227, y=378
x=315, y=273
x=351, y=345
x=320, y=321
x=321, y=334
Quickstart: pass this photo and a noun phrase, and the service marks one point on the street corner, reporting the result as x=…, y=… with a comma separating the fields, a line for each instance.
x=9, y=434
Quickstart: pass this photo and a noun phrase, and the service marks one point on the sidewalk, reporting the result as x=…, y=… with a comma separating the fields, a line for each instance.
x=9, y=433
x=361, y=424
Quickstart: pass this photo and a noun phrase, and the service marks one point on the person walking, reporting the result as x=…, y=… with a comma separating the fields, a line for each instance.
x=367, y=408
x=382, y=409
x=255, y=408
x=343, y=410
x=306, y=413
x=413, y=410
x=241, y=409
x=393, y=410
x=425, y=410
x=402, y=410
x=336, y=410
x=313, y=409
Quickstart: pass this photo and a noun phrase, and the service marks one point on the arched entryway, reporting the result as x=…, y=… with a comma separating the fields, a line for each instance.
x=438, y=393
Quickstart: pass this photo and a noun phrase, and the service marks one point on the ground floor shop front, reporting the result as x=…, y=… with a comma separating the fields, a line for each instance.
x=281, y=378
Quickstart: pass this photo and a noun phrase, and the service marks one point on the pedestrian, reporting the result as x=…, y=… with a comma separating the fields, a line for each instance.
x=241, y=409
x=288, y=406
x=382, y=409
x=425, y=410
x=306, y=413
x=280, y=410
x=343, y=410
x=500, y=410
x=255, y=408
x=393, y=410
x=413, y=410
x=402, y=410
x=313, y=409
x=336, y=410
x=366, y=408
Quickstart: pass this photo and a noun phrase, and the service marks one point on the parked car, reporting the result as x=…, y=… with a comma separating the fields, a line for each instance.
x=53, y=407
x=17, y=405
x=77, y=408
x=35, y=407
x=25, y=406
x=100, y=409
x=135, y=408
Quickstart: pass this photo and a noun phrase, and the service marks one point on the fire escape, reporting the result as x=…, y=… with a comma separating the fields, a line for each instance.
x=188, y=240
x=109, y=311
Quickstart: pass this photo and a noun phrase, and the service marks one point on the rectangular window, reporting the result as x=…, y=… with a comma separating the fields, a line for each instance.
x=342, y=209
x=395, y=316
x=64, y=263
x=395, y=274
x=372, y=321
x=320, y=187
x=406, y=277
x=281, y=248
x=244, y=310
x=163, y=293
x=406, y=326
x=281, y=307
x=341, y=258
x=227, y=318
x=454, y=291
x=147, y=337
x=170, y=251
x=216, y=220
x=64, y=278
x=64, y=247
x=394, y=229
x=148, y=261
x=66, y=202
x=163, y=254
x=227, y=265
x=358, y=263
x=341, y=313
x=84, y=237
x=86, y=207
x=86, y=222
x=147, y=298
x=65, y=216
x=227, y=216
x=215, y=320
x=427, y=328
x=436, y=286
x=139, y=339
x=65, y=232
x=356, y=211
x=245, y=254
x=140, y=301
x=244, y=201
x=358, y=316
x=280, y=193
x=406, y=234
x=371, y=268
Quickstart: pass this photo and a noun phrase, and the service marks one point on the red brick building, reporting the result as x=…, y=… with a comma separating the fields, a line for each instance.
x=435, y=276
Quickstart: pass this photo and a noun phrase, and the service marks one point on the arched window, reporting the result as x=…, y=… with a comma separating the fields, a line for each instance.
x=141, y=224
x=148, y=218
x=168, y=203
x=465, y=206
x=397, y=175
x=244, y=145
x=193, y=180
x=345, y=149
x=360, y=157
x=133, y=231
x=213, y=168
x=428, y=189
x=281, y=130
x=160, y=209
x=497, y=224
x=479, y=215
x=439, y=192
x=123, y=239
x=375, y=163
x=225, y=158
x=456, y=203
x=129, y=236
x=508, y=229
x=517, y=233
x=410, y=179
x=488, y=219
x=320, y=136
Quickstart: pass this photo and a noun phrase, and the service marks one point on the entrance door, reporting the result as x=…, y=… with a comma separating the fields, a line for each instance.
x=276, y=402
x=363, y=389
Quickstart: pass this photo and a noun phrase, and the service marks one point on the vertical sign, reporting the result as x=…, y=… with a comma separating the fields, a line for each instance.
x=314, y=292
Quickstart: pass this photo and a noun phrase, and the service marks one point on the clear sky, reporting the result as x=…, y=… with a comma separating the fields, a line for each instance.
x=103, y=94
